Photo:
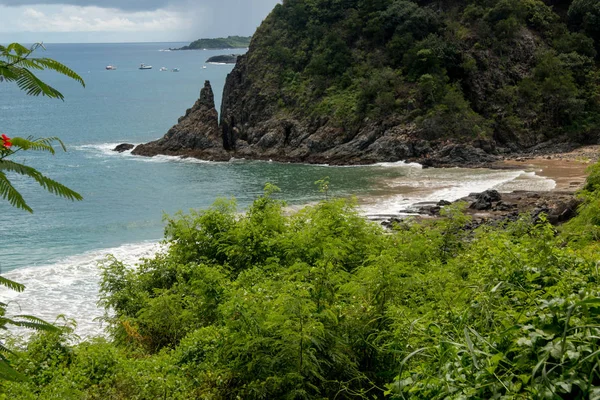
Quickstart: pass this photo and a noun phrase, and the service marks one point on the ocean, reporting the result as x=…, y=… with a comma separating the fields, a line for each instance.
x=56, y=250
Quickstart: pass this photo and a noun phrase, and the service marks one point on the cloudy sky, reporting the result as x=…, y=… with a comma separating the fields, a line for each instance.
x=83, y=21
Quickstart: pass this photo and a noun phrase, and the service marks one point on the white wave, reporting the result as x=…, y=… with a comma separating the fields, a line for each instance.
x=398, y=164
x=106, y=150
x=163, y=159
x=433, y=185
x=69, y=287
x=101, y=148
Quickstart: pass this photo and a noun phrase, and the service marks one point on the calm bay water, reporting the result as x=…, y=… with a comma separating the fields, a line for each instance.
x=55, y=251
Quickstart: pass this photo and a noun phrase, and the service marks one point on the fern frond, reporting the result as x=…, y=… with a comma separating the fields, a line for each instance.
x=34, y=323
x=17, y=65
x=39, y=145
x=7, y=373
x=8, y=192
x=17, y=287
x=49, y=184
x=48, y=63
x=4, y=350
x=33, y=86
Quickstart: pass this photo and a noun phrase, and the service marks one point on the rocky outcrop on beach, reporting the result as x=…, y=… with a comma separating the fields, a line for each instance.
x=196, y=134
x=493, y=208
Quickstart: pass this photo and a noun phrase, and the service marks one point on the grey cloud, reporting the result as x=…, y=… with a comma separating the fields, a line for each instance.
x=235, y=6
x=128, y=5
x=216, y=17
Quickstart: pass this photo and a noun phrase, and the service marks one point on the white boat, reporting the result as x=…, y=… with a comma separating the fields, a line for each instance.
x=144, y=66
x=175, y=70
x=162, y=69
x=111, y=67
x=204, y=67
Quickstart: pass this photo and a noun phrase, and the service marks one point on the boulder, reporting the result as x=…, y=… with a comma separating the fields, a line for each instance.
x=485, y=199
x=123, y=147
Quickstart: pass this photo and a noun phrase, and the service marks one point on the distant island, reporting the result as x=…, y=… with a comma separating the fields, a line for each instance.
x=224, y=59
x=230, y=42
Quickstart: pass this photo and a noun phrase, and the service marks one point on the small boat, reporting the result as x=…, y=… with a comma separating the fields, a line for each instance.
x=175, y=70
x=204, y=67
x=162, y=69
x=111, y=67
x=144, y=66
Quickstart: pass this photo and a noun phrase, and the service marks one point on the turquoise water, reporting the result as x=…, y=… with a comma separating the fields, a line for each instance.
x=125, y=197
x=55, y=251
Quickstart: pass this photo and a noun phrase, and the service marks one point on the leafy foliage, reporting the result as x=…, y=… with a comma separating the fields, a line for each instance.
x=324, y=304
x=355, y=61
x=7, y=190
x=16, y=65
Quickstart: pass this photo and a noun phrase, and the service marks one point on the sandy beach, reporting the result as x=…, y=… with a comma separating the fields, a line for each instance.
x=568, y=170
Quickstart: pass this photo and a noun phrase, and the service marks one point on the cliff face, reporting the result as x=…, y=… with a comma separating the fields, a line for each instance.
x=254, y=128
x=196, y=134
x=448, y=82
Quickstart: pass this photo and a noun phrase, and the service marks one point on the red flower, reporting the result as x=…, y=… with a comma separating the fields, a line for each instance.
x=6, y=141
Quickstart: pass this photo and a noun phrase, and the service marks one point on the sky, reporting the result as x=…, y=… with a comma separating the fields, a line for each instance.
x=102, y=21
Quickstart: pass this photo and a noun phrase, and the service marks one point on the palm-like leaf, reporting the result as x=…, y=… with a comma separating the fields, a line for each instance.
x=7, y=373
x=16, y=65
x=17, y=287
x=35, y=323
x=41, y=144
x=8, y=192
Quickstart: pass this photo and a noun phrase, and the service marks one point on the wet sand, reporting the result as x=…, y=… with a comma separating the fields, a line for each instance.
x=568, y=170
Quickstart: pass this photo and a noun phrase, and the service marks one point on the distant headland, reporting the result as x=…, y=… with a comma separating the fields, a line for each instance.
x=223, y=59
x=230, y=42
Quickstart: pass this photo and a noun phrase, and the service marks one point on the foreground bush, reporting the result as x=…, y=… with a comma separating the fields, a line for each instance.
x=325, y=304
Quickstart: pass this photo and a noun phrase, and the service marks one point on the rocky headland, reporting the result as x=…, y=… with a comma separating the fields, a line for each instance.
x=229, y=42
x=440, y=84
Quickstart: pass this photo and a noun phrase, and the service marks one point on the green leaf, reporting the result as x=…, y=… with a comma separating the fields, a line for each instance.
x=11, y=284
x=8, y=192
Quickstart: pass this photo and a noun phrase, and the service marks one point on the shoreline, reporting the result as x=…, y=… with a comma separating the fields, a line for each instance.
x=567, y=169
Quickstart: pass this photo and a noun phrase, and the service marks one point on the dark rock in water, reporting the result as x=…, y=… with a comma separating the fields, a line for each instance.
x=196, y=134
x=485, y=199
x=123, y=147
x=224, y=59
x=443, y=203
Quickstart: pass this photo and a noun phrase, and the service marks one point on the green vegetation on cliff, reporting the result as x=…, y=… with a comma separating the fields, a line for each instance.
x=324, y=304
x=230, y=42
x=518, y=71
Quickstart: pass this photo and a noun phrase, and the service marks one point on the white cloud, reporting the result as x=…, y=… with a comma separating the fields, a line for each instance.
x=96, y=19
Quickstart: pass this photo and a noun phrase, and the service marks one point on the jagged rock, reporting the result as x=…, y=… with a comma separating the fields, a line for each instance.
x=196, y=134
x=443, y=203
x=123, y=147
x=485, y=199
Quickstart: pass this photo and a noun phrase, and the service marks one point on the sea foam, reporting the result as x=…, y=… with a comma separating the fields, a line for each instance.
x=69, y=287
